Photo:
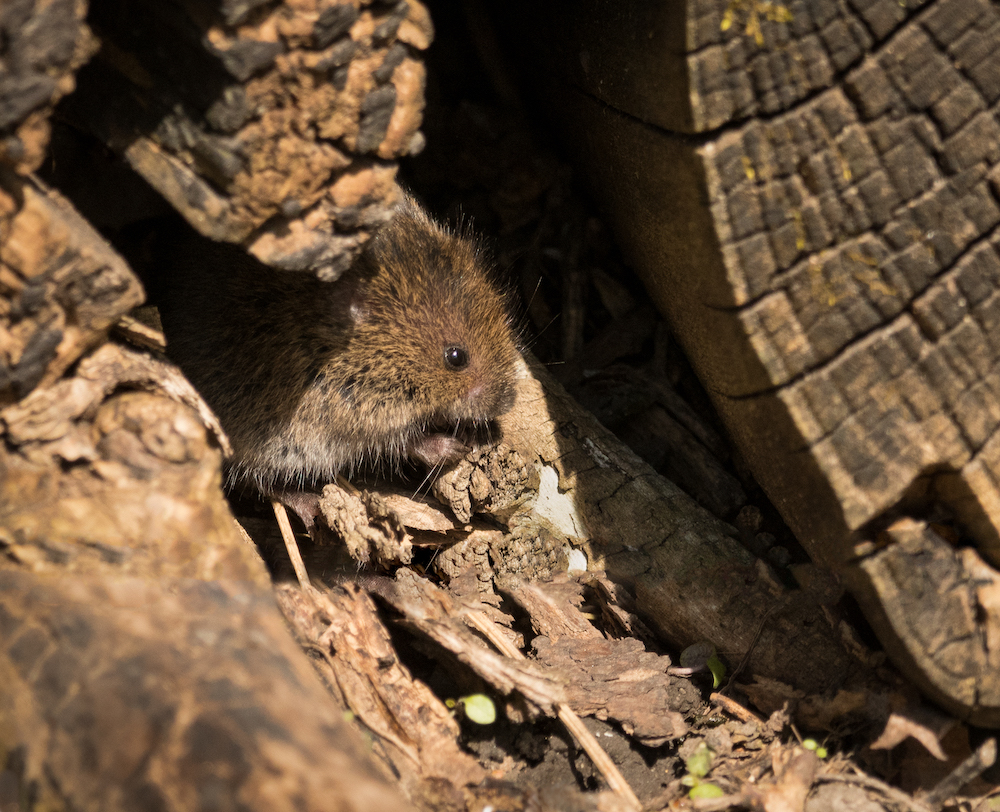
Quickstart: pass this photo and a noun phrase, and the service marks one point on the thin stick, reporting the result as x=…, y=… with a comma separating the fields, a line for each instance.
x=290, y=543
x=974, y=766
x=566, y=715
x=753, y=645
x=733, y=707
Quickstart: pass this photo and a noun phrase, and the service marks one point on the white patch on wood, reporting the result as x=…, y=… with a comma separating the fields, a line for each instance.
x=557, y=508
x=576, y=561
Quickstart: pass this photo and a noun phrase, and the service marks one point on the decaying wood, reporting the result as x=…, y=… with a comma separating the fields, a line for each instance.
x=143, y=661
x=915, y=561
x=418, y=734
x=124, y=693
x=692, y=580
x=559, y=482
x=134, y=460
x=587, y=741
x=132, y=611
x=839, y=295
x=666, y=432
x=43, y=45
x=274, y=125
x=370, y=531
x=615, y=679
x=61, y=286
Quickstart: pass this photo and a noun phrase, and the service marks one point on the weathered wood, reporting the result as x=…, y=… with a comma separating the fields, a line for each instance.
x=61, y=286
x=135, y=460
x=896, y=580
x=655, y=422
x=826, y=247
x=137, y=694
x=132, y=612
x=562, y=481
x=273, y=125
x=43, y=43
x=357, y=658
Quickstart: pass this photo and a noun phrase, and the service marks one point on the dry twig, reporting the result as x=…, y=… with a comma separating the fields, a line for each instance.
x=290, y=544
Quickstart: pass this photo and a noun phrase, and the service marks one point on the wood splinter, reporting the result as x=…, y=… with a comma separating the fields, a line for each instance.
x=290, y=543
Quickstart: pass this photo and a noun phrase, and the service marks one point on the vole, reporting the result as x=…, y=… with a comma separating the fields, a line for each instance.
x=394, y=360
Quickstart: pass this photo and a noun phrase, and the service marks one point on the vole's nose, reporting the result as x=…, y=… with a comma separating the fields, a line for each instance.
x=491, y=400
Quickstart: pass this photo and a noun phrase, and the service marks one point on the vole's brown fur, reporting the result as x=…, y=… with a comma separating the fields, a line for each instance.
x=313, y=379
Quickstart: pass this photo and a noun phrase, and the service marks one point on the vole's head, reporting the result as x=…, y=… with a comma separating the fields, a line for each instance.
x=432, y=346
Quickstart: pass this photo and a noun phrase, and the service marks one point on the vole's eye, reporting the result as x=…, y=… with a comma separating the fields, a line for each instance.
x=456, y=358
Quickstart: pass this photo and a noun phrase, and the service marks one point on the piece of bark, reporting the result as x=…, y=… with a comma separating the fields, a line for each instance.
x=43, y=45
x=950, y=646
x=361, y=521
x=127, y=693
x=277, y=129
x=609, y=679
x=134, y=460
x=432, y=612
x=838, y=294
x=358, y=659
x=61, y=286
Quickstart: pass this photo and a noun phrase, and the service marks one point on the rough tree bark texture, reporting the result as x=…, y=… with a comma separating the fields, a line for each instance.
x=810, y=191
x=43, y=45
x=270, y=124
x=144, y=662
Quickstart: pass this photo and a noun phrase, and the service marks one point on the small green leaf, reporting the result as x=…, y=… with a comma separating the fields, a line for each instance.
x=700, y=761
x=821, y=752
x=809, y=744
x=479, y=708
x=718, y=670
x=705, y=790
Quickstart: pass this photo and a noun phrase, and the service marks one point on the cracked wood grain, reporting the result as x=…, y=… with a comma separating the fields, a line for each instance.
x=811, y=194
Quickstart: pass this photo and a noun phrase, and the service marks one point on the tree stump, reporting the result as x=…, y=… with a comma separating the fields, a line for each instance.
x=810, y=193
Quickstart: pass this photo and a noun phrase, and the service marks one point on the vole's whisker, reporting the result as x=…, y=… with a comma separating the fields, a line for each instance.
x=429, y=477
